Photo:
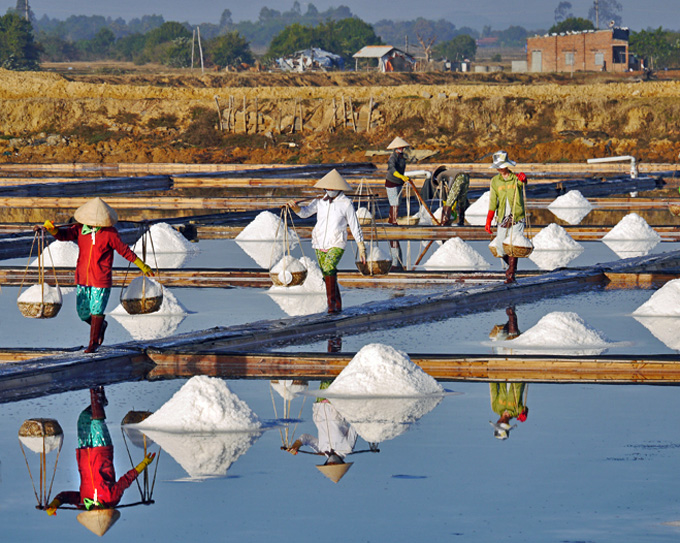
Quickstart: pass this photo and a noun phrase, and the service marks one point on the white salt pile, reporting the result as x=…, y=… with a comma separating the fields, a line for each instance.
x=163, y=238
x=381, y=370
x=364, y=214
x=555, y=238
x=314, y=282
x=289, y=389
x=376, y=254
x=518, y=241
x=630, y=249
x=304, y=299
x=41, y=292
x=665, y=329
x=551, y=260
x=380, y=419
x=632, y=227
x=203, y=404
x=424, y=218
x=455, y=254
x=35, y=443
x=170, y=306
x=571, y=207
x=162, y=323
x=561, y=330
x=263, y=239
x=285, y=268
x=142, y=286
x=204, y=456
x=60, y=254
x=665, y=302
x=477, y=212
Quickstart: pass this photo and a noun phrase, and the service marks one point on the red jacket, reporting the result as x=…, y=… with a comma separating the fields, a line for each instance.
x=95, y=260
x=95, y=465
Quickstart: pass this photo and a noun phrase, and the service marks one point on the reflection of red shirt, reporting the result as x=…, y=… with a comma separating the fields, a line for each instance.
x=95, y=465
x=95, y=258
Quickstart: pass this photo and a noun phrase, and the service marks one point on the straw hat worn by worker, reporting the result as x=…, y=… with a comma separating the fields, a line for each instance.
x=99, y=490
x=334, y=213
x=506, y=201
x=97, y=239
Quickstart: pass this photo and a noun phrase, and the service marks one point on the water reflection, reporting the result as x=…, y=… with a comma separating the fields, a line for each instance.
x=551, y=260
x=630, y=249
x=508, y=401
x=665, y=329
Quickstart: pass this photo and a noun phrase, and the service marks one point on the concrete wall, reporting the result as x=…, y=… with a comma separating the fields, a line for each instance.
x=519, y=66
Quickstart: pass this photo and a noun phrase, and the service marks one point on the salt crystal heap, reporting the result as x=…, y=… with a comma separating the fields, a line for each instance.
x=455, y=254
x=285, y=268
x=571, y=207
x=376, y=254
x=41, y=292
x=304, y=299
x=165, y=247
x=263, y=239
x=665, y=302
x=477, y=212
x=554, y=248
x=381, y=370
x=60, y=254
x=363, y=214
x=632, y=227
x=142, y=286
x=203, y=404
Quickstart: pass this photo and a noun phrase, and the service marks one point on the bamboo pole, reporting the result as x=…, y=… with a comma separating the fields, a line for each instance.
x=219, y=112
x=245, y=118
x=351, y=112
x=370, y=110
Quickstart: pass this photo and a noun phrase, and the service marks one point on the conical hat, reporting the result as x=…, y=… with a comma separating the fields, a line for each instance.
x=398, y=143
x=332, y=181
x=96, y=212
x=98, y=521
x=334, y=472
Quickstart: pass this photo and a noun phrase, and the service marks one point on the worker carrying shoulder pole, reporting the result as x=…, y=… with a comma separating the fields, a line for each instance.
x=97, y=239
x=334, y=213
x=506, y=201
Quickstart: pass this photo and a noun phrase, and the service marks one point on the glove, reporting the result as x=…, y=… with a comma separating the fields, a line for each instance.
x=146, y=269
x=294, y=206
x=489, y=218
x=522, y=177
x=362, y=251
x=401, y=176
x=49, y=226
x=139, y=468
x=52, y=507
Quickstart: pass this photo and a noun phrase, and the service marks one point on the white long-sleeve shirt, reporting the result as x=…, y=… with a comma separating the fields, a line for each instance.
x=335, y=433
x=332, y=219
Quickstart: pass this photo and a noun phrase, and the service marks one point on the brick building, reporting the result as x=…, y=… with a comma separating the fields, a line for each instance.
x=590, y=51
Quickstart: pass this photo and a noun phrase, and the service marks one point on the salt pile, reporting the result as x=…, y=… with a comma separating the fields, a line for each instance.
x=424, y=216
x=455, y=254
x=142, y=286
x=381, y=370
x=665, y=329
x=376, y=254
x=41, y=292
x=571, y=207
x=263, y=239
x=560, y=332
x=380, y=419
x=164, y=239
x=364, y=214
x=60, y=254
x=313, y=282
x=555, y=238
x=304, y=299
x=162, y=323
x=477, y=212
x=630, y=249
x=632, y=228
x=203, y=404
x=551, y=260
x=204, y=456
x=665, y=302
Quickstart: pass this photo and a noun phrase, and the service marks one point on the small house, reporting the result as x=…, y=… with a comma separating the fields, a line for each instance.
x=390, y=59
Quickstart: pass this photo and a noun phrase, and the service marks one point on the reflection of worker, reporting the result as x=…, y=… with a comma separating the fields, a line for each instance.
x=334, y=213
x=98, y=486
x=509, y=330
x=458, y=183
x=506, y=201
x=394, y=183
x=336, y=440
x=97, y=240
x=508, y=400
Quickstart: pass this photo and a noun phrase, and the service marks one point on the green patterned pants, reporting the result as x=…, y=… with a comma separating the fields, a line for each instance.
x=92, y=433
x=91, y=301
x=328, y=261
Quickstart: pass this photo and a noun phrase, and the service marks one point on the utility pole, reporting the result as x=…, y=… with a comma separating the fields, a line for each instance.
x=597, y=14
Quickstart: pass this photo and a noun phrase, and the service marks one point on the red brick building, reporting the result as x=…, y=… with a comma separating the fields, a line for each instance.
x=589, y=51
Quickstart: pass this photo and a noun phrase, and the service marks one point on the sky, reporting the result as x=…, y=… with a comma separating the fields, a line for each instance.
x=499, y=14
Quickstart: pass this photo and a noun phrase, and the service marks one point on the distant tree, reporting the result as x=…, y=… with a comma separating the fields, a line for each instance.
x=513, y=36
x=130, y=48
x=98, y=47
x=396, y=32
x=563, y=12
x=352, y=34
x=55, y=49
x=573, y=24
x=660, y=47
x=18, y=51
x=229, y=49
x=457, y=49
x=24, y=11
x=225, y=19
x=607, y=10
x=175, y=53
x=146, y=23
x=167, y=32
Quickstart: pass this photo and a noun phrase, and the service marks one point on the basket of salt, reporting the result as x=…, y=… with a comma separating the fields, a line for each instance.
x=364, y=216
x=674, y=208
x=519, y=248
x=494, y=250
x=143, y=295
x=410, y=220
x=288, y=272
x=40, y=301
x=377, y=263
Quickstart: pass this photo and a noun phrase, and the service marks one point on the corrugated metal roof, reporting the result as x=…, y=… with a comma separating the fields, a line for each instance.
x=373, y=51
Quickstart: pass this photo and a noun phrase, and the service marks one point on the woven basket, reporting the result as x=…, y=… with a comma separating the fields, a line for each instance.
x=518, y=251
x=374, y=267
x=135, y=417
x=40, y=428
x=298, y=278
x=674, y=208
x=365, y=221
x=39, y=310
x=408, y=221
x=494, y=251
x=142, y=306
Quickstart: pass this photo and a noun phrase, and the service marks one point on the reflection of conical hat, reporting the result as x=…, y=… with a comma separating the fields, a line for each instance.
x=98, y=521
x=96, y=212
x=398, y=143
x=334, y=472
x=332, y=181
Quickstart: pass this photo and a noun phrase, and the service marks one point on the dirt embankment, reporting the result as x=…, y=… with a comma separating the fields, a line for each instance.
x=298, y=118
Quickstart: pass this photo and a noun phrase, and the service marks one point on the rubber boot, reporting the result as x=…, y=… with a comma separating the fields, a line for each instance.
x=446, y=216
x=334, y=344
x=394, y=213
x=97, y=404
x=395, y=253
x=512, y=268
x=461, y=218
x=338, y=298
x=331, y=293
x=512, y=327
x=96, y=325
